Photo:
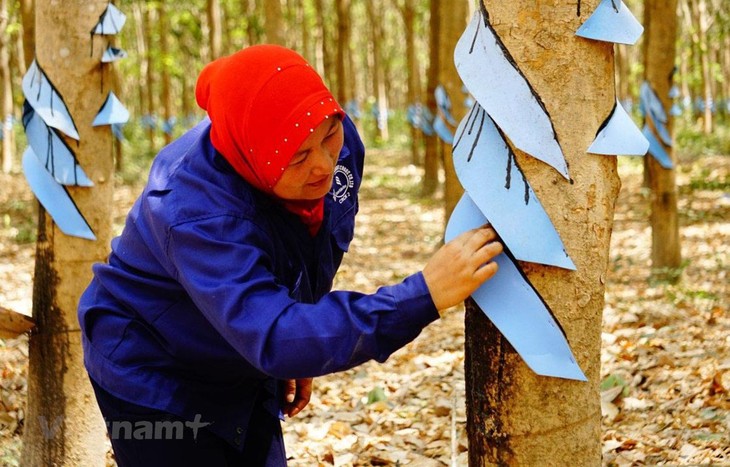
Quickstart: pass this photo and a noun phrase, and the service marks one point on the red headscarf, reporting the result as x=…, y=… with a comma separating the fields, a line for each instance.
x=263, y=102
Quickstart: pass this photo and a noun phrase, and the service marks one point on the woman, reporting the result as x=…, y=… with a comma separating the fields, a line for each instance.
x=214, y=310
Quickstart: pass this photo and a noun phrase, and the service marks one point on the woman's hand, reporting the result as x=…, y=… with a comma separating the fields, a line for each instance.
x=459, y=267
x=297, y=393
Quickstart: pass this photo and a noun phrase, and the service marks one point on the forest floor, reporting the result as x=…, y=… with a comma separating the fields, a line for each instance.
x=665, y=353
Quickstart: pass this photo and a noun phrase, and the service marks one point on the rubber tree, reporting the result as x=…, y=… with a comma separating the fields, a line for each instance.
x=515, y=417
x=63, y=426
x=660, y=21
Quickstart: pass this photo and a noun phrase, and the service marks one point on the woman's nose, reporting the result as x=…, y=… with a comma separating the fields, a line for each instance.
x=322, y=162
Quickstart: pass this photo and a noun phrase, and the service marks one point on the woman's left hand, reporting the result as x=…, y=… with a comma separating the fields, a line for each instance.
x=297, y=393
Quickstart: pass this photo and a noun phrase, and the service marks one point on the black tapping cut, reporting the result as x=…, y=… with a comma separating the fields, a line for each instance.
x=527, y=281
x=605, y=122
x=50, y=165
x=479, y=134
x=512, y=160
x=53, y=91
x=461, y=135
x=474, y=112
x=511, y=60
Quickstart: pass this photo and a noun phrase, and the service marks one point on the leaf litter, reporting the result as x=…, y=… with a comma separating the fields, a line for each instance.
x=665, y=390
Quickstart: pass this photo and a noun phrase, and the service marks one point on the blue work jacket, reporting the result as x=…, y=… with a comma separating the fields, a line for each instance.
x=213, y=292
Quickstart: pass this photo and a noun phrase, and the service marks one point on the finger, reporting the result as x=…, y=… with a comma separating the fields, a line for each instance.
x=488, y=251
x=305, y=388
x=486, y=272
x=464, y=237
x=480, y=237
x=290, y=390
x=304, y=394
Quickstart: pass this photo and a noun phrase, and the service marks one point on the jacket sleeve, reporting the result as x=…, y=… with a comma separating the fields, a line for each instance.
x=232, y=283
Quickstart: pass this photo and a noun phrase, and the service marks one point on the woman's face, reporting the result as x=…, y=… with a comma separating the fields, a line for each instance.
x=309, y=174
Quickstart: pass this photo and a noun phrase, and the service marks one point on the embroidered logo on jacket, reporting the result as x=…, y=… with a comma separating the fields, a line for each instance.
x=341, y=184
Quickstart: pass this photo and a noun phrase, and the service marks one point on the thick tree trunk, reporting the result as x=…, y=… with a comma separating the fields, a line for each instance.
x=63, y=426
x=515, y=417
x=660, y=36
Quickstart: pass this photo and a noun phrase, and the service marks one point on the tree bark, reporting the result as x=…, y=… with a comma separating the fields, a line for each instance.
x=452, y=26
x=274, y=22
x=374, y=9
x=699, y=21
x=27, y=15
x=431, y=158
x=63, y=426
x=408, y=14
x=141, y=51
x=344, y=93
x=8, y=143
x=152, y=113
x=215, y=28
x=515, y=417
x=660, y=35
x=164, y=28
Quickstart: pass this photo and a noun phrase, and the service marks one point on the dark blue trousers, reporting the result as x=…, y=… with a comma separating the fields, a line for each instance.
x=181, y=446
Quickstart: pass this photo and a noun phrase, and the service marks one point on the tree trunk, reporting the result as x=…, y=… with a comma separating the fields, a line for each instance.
x=215, y=27
x=452, y=26
x=699, y=20
x=343, y=49
x=164, y=25
x=253, y=27
x=515, y=417
x=623, y=73
x=8, y=143
x=152, y=113
x=374, y=9
x=27, y=15
x=324, y=58
x=274, y=23
x=141, y=50
x=408, y=14
x=303, y=21
x=63, y=426
x=660, y=35
x=431, y=158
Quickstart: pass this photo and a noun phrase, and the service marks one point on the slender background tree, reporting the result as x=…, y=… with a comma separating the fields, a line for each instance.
x=659, y=58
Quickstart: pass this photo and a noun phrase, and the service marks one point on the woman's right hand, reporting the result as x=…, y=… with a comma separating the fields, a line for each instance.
x=459, y=267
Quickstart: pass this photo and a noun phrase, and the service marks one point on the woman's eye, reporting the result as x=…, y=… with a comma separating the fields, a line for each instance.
x=297, y=160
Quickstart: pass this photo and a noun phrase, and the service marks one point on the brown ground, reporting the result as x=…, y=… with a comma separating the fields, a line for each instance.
x=666, y=357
